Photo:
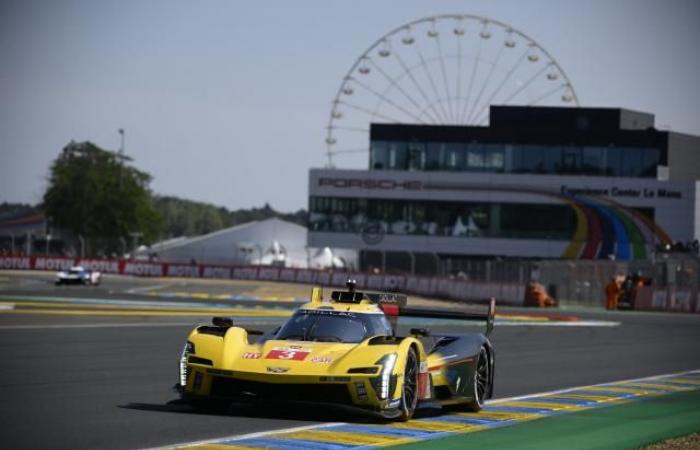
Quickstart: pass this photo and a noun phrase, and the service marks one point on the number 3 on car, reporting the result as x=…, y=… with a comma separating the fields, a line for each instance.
x=295, y=355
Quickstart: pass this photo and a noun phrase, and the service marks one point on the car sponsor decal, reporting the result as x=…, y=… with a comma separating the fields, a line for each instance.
x=251, y=355
x=321, y=359
x=321, y=312
x=292, y=354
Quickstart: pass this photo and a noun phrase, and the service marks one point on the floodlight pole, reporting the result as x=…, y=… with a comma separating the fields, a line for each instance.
x=122, y=136
x=121, y=157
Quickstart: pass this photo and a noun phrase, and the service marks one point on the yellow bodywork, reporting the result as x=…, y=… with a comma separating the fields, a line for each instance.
x=234, y=355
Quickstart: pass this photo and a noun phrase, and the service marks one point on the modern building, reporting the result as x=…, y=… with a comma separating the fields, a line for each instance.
x=538, y=182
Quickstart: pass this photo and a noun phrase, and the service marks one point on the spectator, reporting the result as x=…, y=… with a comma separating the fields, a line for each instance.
x=612, y=292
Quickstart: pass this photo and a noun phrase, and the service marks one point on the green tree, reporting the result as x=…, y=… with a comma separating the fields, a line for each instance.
x=94, y=193
x=189, y=218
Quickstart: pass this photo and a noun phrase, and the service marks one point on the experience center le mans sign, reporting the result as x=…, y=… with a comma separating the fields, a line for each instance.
x=623, y=192
x=389, y=184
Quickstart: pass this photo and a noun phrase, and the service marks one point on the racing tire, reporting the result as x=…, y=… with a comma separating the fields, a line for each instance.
x=409, y=390
x=481, y=382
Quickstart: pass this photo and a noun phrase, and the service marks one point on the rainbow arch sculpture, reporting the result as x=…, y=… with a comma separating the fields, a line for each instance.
x=605, y=228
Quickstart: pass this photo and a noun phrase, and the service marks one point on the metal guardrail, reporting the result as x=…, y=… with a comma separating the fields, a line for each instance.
x=584, y=281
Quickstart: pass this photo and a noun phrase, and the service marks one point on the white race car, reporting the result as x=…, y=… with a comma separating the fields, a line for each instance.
x=78, y=275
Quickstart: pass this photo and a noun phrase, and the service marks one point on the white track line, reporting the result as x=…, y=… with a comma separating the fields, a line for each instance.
x=559, y=323
x=238, y=437
x=510, y=323
x=119, y=302
x=118, y=325
x=95, y=325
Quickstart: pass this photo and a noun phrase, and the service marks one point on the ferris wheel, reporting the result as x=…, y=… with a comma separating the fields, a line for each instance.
x=441, y=70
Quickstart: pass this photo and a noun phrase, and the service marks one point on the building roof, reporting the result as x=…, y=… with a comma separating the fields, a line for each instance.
x=182, y=241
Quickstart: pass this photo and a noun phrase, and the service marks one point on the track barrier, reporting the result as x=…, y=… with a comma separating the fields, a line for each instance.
x=440, y=287
x=650, y=298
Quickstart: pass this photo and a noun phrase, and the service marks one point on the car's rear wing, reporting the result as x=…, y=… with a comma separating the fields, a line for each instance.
x=488, y=316
x=395, y=305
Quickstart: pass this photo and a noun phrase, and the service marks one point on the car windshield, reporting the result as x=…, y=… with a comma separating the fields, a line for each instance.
x=334, y=326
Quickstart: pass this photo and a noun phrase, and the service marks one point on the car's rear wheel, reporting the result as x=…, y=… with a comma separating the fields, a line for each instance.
x=409, y=391
x=481, y=382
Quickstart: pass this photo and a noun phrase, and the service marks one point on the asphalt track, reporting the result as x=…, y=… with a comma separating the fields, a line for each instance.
x=83, y=381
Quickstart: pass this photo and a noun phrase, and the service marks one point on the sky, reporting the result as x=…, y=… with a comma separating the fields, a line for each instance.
x=226, y=101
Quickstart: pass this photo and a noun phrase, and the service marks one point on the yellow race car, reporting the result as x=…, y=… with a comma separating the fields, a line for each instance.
x=342, y=351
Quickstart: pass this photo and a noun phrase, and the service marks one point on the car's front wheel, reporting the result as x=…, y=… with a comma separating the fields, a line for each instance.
x=481, y=382
x=409, y=392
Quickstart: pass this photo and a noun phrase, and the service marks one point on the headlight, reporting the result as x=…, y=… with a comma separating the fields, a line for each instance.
x=186, y=351
x=382, y=384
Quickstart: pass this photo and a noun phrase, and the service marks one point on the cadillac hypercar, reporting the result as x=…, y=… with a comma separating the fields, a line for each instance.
x=342, y=350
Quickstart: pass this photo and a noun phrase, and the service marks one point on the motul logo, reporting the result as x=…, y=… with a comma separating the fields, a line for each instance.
x=368, y=183
x=53, y=264
x=15, y=263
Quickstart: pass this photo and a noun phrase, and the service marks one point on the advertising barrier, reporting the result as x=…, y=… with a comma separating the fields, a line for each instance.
x=455, y=289
x=648, y=298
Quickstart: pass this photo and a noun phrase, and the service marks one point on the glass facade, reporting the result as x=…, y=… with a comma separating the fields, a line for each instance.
x=507, y=158
x=441, y=218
